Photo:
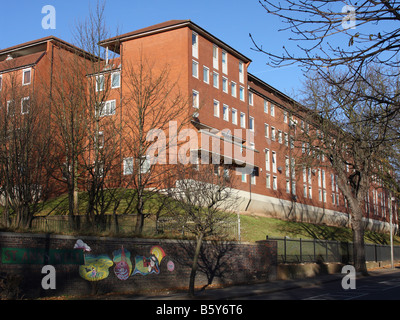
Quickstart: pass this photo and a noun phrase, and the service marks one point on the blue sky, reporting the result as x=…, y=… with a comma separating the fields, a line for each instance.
x=229, y=20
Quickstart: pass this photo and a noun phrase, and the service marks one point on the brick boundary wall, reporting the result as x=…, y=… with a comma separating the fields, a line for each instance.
x=224, y=262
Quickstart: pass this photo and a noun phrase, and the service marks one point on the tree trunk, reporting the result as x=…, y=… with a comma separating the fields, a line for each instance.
x=199, y=240
x=358, y=242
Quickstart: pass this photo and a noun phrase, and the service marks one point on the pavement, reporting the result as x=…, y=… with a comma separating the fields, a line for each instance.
x=241, y=291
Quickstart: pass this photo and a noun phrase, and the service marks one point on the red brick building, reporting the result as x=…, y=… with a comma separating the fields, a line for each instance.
x=226, y=101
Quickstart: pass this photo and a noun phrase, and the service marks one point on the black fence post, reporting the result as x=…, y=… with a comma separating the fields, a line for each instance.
x=284, y=248
x=301, y=251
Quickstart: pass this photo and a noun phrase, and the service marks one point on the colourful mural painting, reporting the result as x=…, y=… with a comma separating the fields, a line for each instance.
x=145, y=266
x=123, y=264
x=158, y=252
x=96, y=267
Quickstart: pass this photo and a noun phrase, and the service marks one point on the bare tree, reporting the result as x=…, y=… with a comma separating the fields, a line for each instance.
x=204, y=205
x=153, y=103
x=356, y=145
x=348, y=36
x=26, y=147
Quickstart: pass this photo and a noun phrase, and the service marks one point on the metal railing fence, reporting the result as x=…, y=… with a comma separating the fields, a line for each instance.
x=315, y=250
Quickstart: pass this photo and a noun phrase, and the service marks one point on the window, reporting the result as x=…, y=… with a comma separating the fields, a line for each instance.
x=195, y=69
x=267, y=162
x=324, y=195
x=241, y=72
x=266, y=130
x=26, y=76
x=319, y=194
x=268, y=181
x=206, y=74
x=287, y=186
x=272, y=107
x=25, y=105
x=265, y=106
x=115, y=80
x=107, y=108
x=251, y=98
x=233, y=89
x=225, y=112
x=287, y=166
x=294, y=187
x=195, y=99
x=251, y=124
x=99, y=83
x=224, y=84
x=275, y=183
x=215, y=80
x=273, y=133
x=243, y=177
x=285, y=117
x=144, y=164
x=253, y=177
x=241, y=93
x=100, y=136
x=216, y=108
x=305, y=191
x=224, y=62
x=10, y=107
x=215, y=57
x=319, y=178
x=242, y=120
x=323, y=179
x=280, y=140
x=286, y=139
x=195, y=45
x=273, y=161
x=1, y=82
x=310, y=192
x=234, y=116
x=128, y=166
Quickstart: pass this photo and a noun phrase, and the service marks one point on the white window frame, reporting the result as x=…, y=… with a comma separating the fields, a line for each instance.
x=268, y=181
x=225, y=84
x=107, y=109
x=241, y=72
x=266, y=130
x=275, y=182
x=225, y=112
x=250, y=98
x=224, y=62
x=234, y=116
x=119, y=79
x=251, y=124
x=272, y=109
x=233, y=89
x=127, y=166
x=273, y=154
x=241, y=93
x=216, y=108
x=216, y=83
x=195, y=45
x=215, y=57
x=100, y=84
x=196, y=99
x=22, y=105
x=243, y=120
x=265, y=106
x=23, y=76
x=195, y=69
x=267, y=160
x=206, y=74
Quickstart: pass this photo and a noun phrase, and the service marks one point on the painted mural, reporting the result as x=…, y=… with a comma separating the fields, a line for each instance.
x=96, y=267
x=123, y=264
x=145, y=266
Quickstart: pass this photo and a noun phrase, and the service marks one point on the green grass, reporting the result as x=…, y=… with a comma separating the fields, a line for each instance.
x=255, y=228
